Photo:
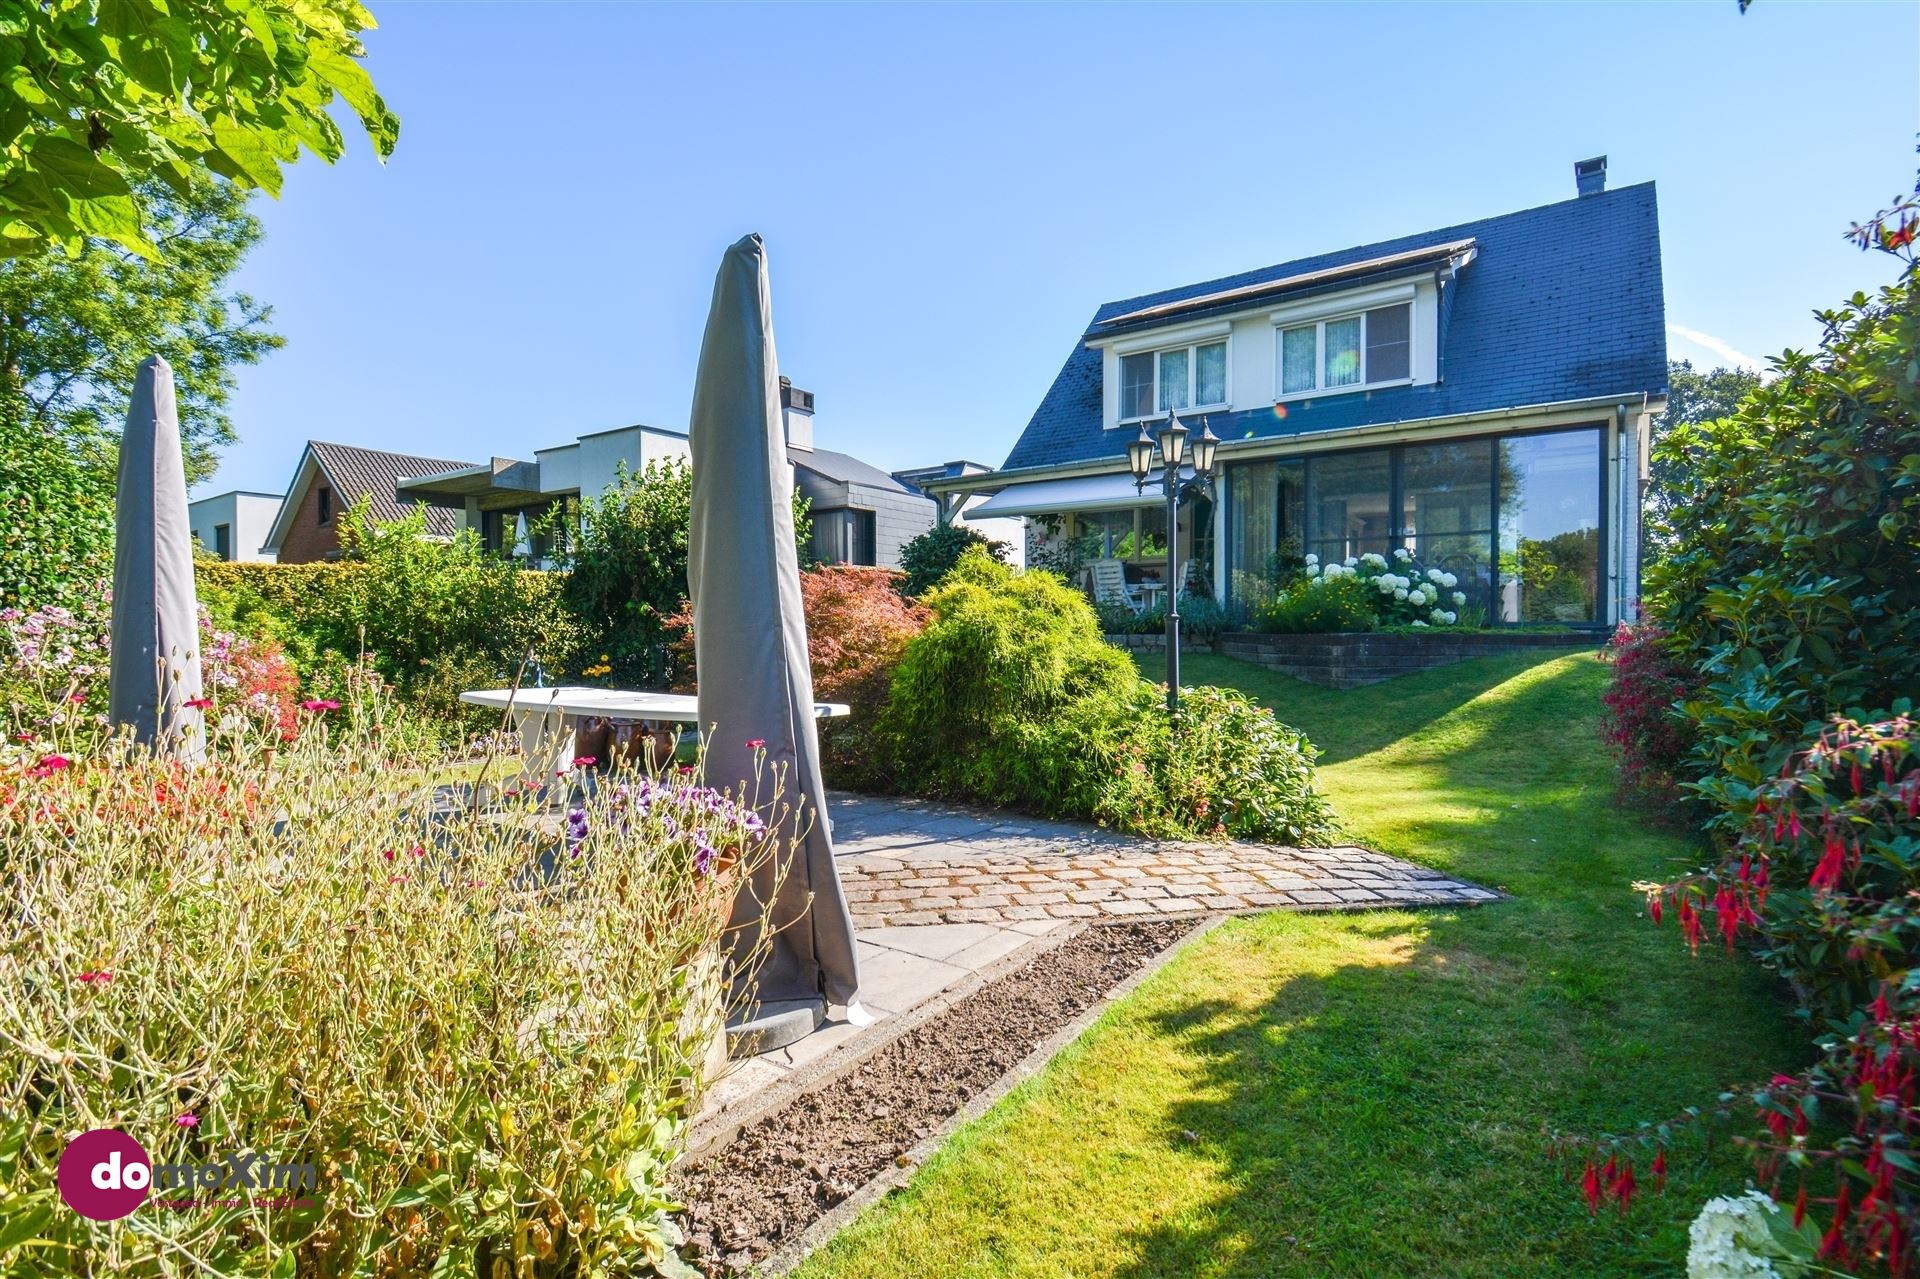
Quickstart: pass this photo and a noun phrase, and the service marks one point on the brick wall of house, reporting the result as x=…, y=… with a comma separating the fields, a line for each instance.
x=307, y=539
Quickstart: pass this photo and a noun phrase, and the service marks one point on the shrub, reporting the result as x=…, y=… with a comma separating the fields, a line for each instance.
x=1011, y=696
x=1224, y=766
x=1791, y=587
x=1255, y=588
x=485, y=1038
x=627, y=569
x=1644, y=727
x=56, y=514
x=1317, y=606
x=858, y=628
x=930, y=556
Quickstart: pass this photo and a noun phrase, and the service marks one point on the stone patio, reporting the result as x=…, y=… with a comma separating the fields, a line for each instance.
x=939, y=892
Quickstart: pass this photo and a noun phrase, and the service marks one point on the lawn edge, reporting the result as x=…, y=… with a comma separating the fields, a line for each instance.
x=791, y=1254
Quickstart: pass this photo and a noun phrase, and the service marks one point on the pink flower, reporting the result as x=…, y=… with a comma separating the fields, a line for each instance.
x=23, y=737
x=319, y=705
x=187, y=1121
x=756, y=743
x=49, y=766
x=96, y=975
x=76, y=697
x=388, y=854
x=585, y=761
x=197, y=703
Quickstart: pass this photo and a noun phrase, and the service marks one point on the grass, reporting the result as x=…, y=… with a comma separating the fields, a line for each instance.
x=1367, y=1094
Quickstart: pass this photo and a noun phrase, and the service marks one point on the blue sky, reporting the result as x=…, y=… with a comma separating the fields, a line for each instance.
x=947, y=193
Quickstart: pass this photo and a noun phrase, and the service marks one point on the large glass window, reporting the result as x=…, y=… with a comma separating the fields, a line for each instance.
x=1348, y=496
x=1389, y=345
x=1340, y=340
x=1550, y=528
x=1210, y=373
x=1516, y=520
x=1446, y=514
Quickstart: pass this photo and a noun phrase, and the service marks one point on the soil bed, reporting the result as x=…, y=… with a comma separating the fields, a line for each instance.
x=785, y=1171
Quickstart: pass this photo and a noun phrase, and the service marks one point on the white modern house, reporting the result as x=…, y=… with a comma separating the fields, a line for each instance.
x=235, y=525
x=860, y=514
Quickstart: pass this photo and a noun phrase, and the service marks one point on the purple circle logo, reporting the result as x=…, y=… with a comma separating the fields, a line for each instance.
x=104, y=1174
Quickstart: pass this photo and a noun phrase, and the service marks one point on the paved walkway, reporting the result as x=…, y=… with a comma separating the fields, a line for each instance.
x=909, y=862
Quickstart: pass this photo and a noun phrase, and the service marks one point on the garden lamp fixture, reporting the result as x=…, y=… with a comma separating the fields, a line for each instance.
x=1172, y=454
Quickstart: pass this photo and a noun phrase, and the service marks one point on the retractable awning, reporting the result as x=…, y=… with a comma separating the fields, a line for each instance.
x=1079, y=493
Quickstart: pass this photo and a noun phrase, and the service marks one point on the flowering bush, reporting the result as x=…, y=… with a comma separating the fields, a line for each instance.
x=1746, y=1237
x=1364, y=592
x=483, y=1034
x=1644, y=726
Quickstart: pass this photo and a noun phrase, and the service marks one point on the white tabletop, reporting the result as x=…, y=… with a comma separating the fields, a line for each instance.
x=574, y=699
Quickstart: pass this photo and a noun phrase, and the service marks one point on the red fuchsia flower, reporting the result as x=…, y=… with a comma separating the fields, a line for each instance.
x=319, y=705
x=756, y=743
x=1800, y=1206
x=197, y=703
x=1590, y=1187
x=1690, y=922
x=1835, y=1238
x=1623, y=1185
x=1660, y=1169
x=187, y=1121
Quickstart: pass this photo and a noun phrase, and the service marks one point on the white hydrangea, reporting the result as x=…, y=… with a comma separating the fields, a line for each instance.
x=1730, y=1239
x=1449, y=581
x=1418, y=622
x=1452, y=617
x=1459, y=598
x=1433, y=575
x=1417, y=596
x=1311, y=558
x=1400, y=593
x=1353, y=561
x=1402, y=554
x=1375, y=559
x=1437, y=617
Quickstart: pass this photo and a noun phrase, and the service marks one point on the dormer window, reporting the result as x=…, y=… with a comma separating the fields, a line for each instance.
x=1347, y=352
x=1179, y=378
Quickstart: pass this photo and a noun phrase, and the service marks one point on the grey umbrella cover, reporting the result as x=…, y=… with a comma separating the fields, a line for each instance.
x=750, y=641
x=155, y=635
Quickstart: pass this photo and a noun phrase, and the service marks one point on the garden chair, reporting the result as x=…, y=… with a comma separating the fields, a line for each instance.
x=1110, y=586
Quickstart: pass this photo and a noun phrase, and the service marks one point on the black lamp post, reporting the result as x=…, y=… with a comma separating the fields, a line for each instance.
x=1172, y=449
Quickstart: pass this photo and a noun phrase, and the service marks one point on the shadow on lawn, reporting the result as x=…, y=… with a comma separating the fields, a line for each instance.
x=1384, y=1115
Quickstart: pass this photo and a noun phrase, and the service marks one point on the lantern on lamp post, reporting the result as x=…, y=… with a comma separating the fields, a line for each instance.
x=1178, y=477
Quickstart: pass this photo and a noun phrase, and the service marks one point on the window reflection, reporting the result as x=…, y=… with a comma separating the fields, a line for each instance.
x=1550, y=527
x=1348, y=494
x=1447, y=515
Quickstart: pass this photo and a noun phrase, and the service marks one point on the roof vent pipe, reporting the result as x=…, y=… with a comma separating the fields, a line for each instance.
x=1590, y=176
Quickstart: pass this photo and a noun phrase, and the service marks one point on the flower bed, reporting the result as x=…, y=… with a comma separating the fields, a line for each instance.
x=478, y=1035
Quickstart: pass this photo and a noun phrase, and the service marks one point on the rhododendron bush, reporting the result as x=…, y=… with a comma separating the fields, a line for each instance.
x=1643, y=726
x=484, y=1029
x=1791, y=602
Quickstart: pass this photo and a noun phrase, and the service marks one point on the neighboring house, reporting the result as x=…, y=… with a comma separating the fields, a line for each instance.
x=1480, y=394
x=329, y=480
x=235, y=526
x=861, y=515
x=1008, y=530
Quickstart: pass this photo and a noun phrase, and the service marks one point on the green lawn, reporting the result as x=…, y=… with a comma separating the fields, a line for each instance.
x=1334, y=1095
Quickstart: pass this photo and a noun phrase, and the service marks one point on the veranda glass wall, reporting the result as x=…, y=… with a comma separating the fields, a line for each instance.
x=1517, y=518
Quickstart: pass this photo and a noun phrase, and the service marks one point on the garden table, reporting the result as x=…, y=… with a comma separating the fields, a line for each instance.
x=548, y=718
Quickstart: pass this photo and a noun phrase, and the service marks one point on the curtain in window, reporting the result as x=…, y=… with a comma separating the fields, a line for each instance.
x=1297, y=353
x=1173, y=379
x=1210, y=373
x=1343, y=352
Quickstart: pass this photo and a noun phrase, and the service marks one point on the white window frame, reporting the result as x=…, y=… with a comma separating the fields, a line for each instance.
x=1192, y=349
x=1317, y=318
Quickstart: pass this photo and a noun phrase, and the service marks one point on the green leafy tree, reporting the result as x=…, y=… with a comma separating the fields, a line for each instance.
x=74, y=330
x=1692, y=397
x=99, y=99
x=628, y=569
x=930, y=556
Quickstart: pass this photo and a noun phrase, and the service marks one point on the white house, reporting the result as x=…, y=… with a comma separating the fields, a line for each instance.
x=235, y=525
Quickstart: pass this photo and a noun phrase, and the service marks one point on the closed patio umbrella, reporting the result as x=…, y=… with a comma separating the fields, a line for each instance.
x=155, y=634
x=750, y=641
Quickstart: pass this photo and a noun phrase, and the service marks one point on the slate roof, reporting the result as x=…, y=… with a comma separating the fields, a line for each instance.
x=1564, y=302
x=356, y=472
